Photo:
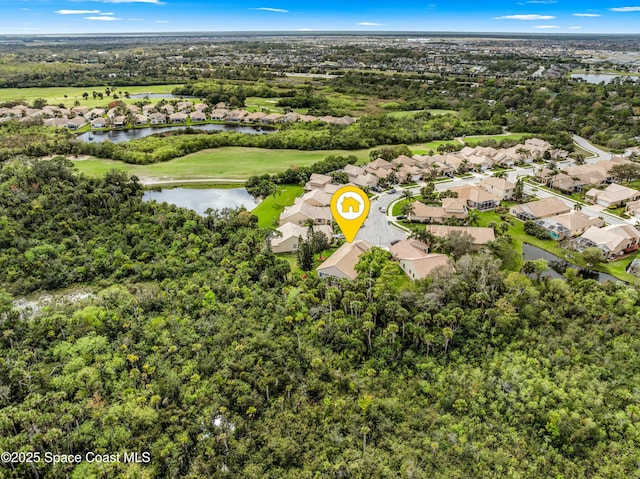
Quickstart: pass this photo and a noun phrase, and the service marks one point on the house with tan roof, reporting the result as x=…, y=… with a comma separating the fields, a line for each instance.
x=198, y=117
x=99, y=123
x=341, y=264
x=254, y=117
x=380, y=163
x=568, y=225
x=365, y=181
x=158, y=118
x=178, y=118
x=404, y=160
x=476, y=197
x=481, y=235
x=613, y=240
x=415, y=260
x=315, y=197
x=236, y=115
x=219, y=114
x=317, y=181
x=200, y=107
x=272, y=118
x=290, y=117
x=451, y=208
x=612, y=196
x=352, y=171
x=633, y=208
x=501, y=188
x=301, y=213
x=540, y=209
x=141, y=120
x=289, y=236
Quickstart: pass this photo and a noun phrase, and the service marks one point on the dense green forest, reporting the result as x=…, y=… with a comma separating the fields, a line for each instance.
x=201, y=347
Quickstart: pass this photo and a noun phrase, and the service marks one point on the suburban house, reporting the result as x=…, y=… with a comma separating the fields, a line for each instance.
x=141, y=120
x=198, y=117
x=75, y=123
x=158, y=118
x=254, y=117
x=476, y=197
x=481, y=236
x=119, y=121
x=365, y=181
x=291, y=117
x=178, y=118
x=218, y=114
x=500, y=187
x=633, y=208
x=451, y=208
x=301, y=213
x=148, y=109
x=568, y=225
x=612, y=196
x=168, y=109
x=99, y=123
x=613, y=240
x=272, y=118
x=316, y=197
x=353, y=171
x=95, y=113
x=290, y=235
x=634, y=267
x=540, y=209
x=317, y=181
x=133, y=109
x=236, y=115
x=200, y=107
x=415, y=260
x=341, y=264
x=184, y=106
x=80, y=110
x=380, y=163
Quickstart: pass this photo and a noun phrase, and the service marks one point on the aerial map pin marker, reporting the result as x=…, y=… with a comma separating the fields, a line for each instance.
x=350, y=207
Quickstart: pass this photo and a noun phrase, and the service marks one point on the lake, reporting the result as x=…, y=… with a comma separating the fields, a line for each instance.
x=559, y=265
x=598, y=77
x=200, y=200
x=118, y=136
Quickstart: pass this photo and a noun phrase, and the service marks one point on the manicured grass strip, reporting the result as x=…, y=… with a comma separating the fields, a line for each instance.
x=56, y=95
x=220, y=163
x=269, y=209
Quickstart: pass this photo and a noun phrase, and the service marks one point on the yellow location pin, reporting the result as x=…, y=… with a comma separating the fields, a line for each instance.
x=350, y=207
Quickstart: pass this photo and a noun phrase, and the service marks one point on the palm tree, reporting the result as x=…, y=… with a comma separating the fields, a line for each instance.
x=473, y=218
x=504, y=227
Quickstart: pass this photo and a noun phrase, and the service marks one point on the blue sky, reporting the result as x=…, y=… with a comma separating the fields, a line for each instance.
x=521, y=16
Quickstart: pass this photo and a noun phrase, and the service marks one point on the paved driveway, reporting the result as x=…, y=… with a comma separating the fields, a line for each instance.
x=377, y=230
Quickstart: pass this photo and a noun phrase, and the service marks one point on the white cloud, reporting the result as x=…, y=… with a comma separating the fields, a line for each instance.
x=525, y=17
x=162, y=21
x=106, y=13
x=575, y=28
x=586, y=15
x=546, y=26
x=103, y=19
x=370, y=24
x=76, y=12
x=625, y=9
x=305, y=30
x=269, y=9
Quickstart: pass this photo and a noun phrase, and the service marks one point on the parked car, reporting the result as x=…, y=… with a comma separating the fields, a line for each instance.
x=382, y=209
x=401, y=217
x=395, y=242
x=392, y=191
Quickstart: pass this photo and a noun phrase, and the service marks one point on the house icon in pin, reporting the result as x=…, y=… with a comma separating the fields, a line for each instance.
x=350, y=204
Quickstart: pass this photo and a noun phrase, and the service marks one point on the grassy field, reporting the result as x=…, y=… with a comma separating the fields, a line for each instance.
x=220, y=163
x=56, y=95
x=269, y=209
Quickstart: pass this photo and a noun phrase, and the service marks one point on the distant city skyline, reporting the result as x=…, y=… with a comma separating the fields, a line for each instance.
x=131, y=16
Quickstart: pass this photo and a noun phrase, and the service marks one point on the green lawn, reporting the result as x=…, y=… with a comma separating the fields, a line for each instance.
x=56, y=95
x=221, y=163
x=269, y=209
x=472, y=140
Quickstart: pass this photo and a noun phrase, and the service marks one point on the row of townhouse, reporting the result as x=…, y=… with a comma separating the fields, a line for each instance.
x=577, y=178
x=562, y=223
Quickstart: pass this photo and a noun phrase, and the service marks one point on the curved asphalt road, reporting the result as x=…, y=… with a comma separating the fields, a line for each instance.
x=377, y=230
